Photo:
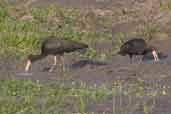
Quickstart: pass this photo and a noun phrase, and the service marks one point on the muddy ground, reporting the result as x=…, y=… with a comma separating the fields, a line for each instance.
x=96, y=71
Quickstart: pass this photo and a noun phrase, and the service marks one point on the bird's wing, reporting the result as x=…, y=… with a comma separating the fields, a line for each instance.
x=69, y=45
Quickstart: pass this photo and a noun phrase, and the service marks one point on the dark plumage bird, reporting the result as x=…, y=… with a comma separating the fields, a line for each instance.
x=55, y=46
x=137, y=46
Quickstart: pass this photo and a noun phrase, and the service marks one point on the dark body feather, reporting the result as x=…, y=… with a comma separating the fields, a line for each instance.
x=135, y=46
x=56, y=46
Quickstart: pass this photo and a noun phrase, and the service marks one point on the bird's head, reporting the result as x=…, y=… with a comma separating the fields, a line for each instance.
x=154, y=52
x=31, y=57
x=29, y=61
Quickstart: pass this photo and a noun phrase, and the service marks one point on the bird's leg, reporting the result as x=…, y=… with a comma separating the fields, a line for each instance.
x=63, y=62
x=54, y=64
x=62, y=65
x=130, y=58
x=141, y=60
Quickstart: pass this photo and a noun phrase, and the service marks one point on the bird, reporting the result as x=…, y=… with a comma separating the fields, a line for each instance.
x=57, y=47
x=137, y=46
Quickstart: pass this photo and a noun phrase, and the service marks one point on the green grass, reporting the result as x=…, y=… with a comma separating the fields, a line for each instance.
x=22, y=96
x=22, y=37
x=165, y=5
x=32, y=97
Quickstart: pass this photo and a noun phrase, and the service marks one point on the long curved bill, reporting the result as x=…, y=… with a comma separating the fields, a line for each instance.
x=155, y=55
x=28, y=65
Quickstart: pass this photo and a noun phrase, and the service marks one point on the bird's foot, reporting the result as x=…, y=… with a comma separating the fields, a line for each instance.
x=52, y=68
x=49, y=69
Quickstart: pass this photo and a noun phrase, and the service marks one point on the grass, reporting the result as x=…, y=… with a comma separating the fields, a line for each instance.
x=20, y=36
x=24, y=96
x=165, y=5
x=32, y=97
x=23, y=36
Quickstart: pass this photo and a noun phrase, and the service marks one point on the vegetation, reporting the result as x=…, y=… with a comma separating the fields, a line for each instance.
x=32, y=97
x=23, y=27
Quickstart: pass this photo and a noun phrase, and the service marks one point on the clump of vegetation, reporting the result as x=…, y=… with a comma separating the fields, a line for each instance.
x=22, y=29
x=165, y=5
x=26, y=96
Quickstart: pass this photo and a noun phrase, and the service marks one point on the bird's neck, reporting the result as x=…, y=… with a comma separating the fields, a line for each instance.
x=147, y=50
x=38, y=57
